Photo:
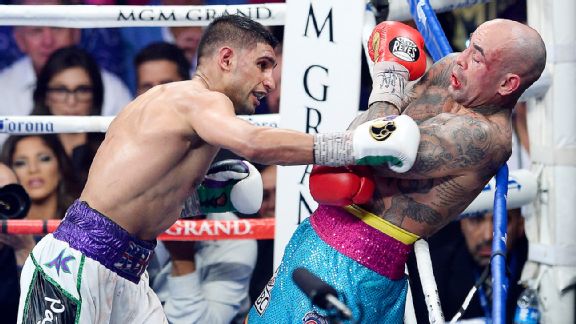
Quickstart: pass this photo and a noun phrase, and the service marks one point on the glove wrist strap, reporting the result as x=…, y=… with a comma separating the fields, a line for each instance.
x=333, y=149
x=389, y=83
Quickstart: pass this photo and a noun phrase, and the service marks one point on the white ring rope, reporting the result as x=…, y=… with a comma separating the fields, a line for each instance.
x=424, y=264
x=90, y=124
x=93, y=16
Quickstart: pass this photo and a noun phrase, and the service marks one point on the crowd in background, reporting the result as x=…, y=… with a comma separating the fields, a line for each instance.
x=63, y=71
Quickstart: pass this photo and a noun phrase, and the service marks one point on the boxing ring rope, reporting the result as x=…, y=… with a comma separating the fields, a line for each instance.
x=438, y=46
x=182, y=230
x=498, y=264
x=90, y=124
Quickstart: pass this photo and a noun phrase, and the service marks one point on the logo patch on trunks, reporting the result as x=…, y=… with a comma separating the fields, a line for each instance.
x=314, y=318
x=47, y=303
x=134, y=260
x=61, y=262
x=263, y=301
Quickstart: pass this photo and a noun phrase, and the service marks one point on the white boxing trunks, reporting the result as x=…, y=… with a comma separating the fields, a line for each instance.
x=89, y=270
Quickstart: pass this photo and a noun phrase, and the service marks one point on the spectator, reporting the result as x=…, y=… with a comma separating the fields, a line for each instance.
x=70, y=84
x=41, y=166
x=265, y=261
x=45, y=172
x=204, y=281
x=38, y=43
x=160, y=63
x=185, y=37
x=9, y=286
x=459, y=256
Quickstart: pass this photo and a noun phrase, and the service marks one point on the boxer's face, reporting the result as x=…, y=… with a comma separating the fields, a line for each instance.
x=251, y=78
x=36, y=167
x=475, y=77
x=70, y=93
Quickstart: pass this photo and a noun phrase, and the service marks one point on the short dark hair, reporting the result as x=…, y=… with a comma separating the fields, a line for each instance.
x=164, y=51
x=235, y=30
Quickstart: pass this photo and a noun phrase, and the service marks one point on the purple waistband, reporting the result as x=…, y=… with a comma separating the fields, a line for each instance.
x=99, y=238
x=359, y=241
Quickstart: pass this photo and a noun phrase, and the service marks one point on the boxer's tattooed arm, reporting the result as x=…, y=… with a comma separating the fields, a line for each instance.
x=404, y=206
x=450, y=144
x=441, y=73
x=409, y=186
x=377, y=110
x=450, y=195
x=382, y=109
x=435, y=83
x=427, y=106
x=414, y=103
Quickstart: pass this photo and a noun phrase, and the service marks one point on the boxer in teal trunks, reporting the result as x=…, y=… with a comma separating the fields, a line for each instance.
x=368, y=251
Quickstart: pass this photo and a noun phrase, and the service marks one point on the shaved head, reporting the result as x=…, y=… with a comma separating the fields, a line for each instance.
x=523, y=49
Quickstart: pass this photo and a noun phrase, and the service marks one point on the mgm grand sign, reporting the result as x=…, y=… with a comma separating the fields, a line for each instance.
x=196, y=14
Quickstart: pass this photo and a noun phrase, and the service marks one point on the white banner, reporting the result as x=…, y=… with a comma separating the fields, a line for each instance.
x=320, y=92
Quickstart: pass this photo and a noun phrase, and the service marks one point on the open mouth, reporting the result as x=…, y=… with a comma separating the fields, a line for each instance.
x=454, y=81
x=35, y=183
x=259, y=95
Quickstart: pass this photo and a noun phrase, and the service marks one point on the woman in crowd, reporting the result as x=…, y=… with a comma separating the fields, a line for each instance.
x=71, y=84
x=44, y=170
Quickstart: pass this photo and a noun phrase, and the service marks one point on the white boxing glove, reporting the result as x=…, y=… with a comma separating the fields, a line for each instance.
x=229, y=185
x=391, y=140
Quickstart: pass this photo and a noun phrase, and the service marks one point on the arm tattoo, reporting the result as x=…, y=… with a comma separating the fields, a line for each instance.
x=409, y=186
x=442, y=75
x=404, y=206
x=450, y=193
x=377, y=110
x=452, y=143
x=427, y=106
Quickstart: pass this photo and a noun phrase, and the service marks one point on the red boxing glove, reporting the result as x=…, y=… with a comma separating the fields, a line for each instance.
x=341, y=186
x=397, y=42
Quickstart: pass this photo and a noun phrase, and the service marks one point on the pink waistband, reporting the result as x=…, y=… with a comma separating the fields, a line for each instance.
x=359, y=241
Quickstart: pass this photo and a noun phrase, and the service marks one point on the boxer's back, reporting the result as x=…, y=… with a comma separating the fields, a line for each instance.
x=149, y=162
